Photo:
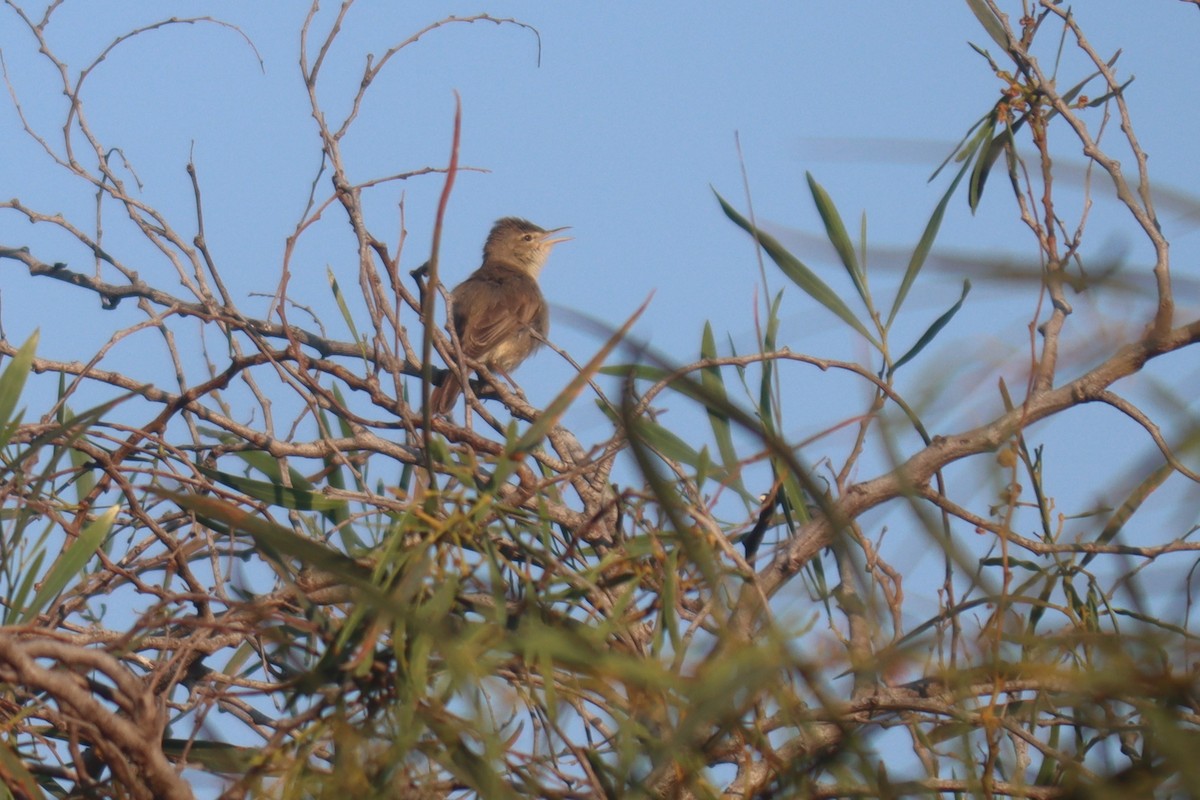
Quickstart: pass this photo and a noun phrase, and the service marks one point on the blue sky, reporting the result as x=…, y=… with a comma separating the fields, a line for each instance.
x=621, y=131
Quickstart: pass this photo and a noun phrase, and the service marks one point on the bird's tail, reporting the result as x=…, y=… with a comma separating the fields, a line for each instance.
x=443, y=397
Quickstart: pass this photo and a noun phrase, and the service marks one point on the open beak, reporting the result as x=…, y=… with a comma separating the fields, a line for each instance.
x=547, y=241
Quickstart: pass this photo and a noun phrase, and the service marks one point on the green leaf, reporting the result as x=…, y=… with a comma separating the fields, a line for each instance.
x=984, y=161
x=346, y=315
x=74, y=427
x=83, y=480
x=794, y=496
x=835, y=229
x=268, y=465
x=965, y=149
x=275, y=493
x=12, y=383
x=276, y=540
x=16, y=601
x=644, y=372
x=671, y=447
x=990, y=23
x=548, y=418
x=1145, y=488
x=1069, y=95
x=1104, y=98
x=70, y=563
x=933, y=329
x=696, y=548
x=768, y=366
x=13, y=768
x=339, y=516
x=1050, y=765
x=799, y=274
x=228, y=759
x=924, y=246
x=710, y=378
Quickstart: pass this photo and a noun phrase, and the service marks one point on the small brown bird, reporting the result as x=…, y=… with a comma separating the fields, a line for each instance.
x=499, y=313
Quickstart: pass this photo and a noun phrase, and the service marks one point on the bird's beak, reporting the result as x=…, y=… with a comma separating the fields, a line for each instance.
x=547, y=241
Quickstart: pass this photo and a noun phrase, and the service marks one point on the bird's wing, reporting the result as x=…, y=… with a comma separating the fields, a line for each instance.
x=502, y=307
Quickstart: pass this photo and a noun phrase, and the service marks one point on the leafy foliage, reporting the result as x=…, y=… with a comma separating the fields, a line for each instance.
x=366, y=601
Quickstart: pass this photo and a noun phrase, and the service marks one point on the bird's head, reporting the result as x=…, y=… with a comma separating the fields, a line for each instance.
x=521, y=244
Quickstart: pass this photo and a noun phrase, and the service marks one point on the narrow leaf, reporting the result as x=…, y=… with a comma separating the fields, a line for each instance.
x=220, y=757
x=670, y=446
x=965, y=147
x=275, y=493
x=13, y=379
x=1104, y=98
x=1135, y=499
x=19, y=778
x=696, y=548
x=924, y=246
x=275, y=539
x=12, y=383
x=933, y=329
x=346, y=315
x=84, y=482
x=711, y=379
x=835, y=229
x=768, y=365
x=548, y=418
x=70, y=563
x=1070, y=95
x=644, y=372
x=801, y=275
x=987, y=19
x=336, y=479
x=983, y=164
x=16, y=601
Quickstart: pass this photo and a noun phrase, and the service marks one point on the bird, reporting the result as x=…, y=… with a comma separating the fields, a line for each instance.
x=498, y=312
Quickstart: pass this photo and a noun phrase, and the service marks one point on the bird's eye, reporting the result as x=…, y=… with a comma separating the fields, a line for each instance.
x=529, y=237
